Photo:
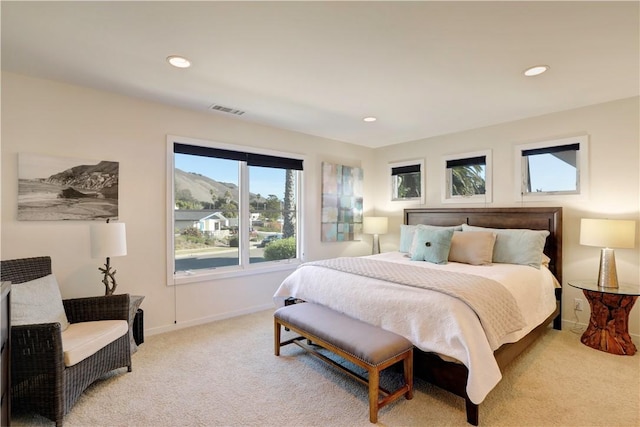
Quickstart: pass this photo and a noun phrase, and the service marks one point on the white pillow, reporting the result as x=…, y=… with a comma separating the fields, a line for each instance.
x=37, y=301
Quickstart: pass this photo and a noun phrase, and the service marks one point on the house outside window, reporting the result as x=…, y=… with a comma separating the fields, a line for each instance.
x=467, y=178
x=548, y=169
x=232, y=210
x=407, y=180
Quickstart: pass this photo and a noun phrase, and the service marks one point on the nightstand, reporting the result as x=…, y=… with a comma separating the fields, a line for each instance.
x=135, y=319
x=608, y=328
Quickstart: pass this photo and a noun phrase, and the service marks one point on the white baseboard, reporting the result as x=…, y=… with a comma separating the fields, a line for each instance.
x=208, y=319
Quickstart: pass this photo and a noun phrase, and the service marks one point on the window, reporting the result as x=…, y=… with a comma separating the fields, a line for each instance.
x=551, y=168
x=231, y=210
x=407, y=180
x=467, y=178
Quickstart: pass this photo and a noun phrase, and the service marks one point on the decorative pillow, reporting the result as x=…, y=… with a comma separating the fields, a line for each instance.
x=431, y=244
x=516, y=246
x=37, y=301
x=407, y=232
x=406, y=237
x=473, y=247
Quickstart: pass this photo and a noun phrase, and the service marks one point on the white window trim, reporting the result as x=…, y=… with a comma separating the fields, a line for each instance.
x=423, y=187
x=583, y=171
x=229, y=271
x=488, y=182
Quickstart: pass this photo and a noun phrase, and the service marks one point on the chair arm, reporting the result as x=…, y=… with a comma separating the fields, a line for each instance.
x=111, y=307
x=35, y=350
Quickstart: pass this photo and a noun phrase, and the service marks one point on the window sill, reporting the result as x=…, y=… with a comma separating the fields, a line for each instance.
x=471, y=199
x=232, y=272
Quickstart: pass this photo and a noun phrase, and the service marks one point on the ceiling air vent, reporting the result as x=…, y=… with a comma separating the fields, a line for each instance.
x=224, y=109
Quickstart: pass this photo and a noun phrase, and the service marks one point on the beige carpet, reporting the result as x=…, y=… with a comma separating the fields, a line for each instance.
x=225, y=374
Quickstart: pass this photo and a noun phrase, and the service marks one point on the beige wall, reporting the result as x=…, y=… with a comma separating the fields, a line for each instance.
x=614, y=191
x=45, y=117
x=50, y=118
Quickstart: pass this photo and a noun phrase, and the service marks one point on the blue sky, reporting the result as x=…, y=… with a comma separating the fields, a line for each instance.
x=264, y=181
x=551, y=174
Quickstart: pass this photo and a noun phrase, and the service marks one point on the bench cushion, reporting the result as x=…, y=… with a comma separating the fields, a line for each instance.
x=363, y=341
x=81, y=340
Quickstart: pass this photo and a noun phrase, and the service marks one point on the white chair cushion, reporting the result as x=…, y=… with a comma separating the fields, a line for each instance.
x=38, y=301
x=81, y=340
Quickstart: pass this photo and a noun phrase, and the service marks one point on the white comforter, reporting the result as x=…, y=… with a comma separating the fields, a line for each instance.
x=432, y=321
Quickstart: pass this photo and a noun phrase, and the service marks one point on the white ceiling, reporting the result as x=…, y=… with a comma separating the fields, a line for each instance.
x=422, y=68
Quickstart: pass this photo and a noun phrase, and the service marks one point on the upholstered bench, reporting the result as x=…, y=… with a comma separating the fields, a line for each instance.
x=363, y=344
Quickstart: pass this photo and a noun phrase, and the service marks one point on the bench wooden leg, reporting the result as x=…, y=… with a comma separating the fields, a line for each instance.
x=276, y=337
x=408, y=375
x=374, y=384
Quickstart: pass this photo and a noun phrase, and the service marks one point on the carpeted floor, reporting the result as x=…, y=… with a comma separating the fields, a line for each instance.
x=225, y=374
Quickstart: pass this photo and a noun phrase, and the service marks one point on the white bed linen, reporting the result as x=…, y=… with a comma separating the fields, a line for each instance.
x=432, y=321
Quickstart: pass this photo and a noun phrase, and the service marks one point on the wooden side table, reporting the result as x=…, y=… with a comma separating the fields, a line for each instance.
x=134, y=304
x=608, y=328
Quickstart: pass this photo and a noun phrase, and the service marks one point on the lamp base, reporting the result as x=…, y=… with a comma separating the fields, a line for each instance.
x=109, y=279
x=607, y=275
x=376, y=245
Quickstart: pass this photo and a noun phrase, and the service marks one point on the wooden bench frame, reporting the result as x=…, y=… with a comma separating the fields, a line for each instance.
x=375, y=391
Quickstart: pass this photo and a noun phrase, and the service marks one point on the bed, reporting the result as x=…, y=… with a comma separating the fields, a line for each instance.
x=455, y=347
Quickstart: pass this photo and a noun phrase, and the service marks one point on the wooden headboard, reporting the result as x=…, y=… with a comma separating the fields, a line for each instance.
x=532, y=218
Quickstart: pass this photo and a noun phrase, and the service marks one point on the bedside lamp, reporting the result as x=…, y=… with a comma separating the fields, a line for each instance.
x=375, y=225
x=608, y=234
x=108, y=240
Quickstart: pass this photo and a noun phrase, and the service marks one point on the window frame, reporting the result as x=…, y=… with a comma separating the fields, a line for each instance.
x=394, y=197
x=447, y=181
x=582, y=170
x=244, y=268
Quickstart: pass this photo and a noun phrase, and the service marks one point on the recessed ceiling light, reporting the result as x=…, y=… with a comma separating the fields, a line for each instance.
x=179, y=61
x=535, y=71
x=370, y=119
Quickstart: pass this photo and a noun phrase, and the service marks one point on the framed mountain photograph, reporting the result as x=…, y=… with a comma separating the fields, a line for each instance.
x=60, y=188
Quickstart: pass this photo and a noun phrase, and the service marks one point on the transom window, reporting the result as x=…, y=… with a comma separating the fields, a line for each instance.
x=407, y=180
x=467, y=177
x=231, y=209
x=551, y=168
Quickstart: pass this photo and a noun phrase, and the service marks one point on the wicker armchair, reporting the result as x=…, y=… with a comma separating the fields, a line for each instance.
x=40, y=381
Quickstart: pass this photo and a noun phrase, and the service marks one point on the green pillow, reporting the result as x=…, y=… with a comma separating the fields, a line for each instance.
x=431, y=244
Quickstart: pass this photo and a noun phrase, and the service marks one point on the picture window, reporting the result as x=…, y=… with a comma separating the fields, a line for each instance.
x=230, y=210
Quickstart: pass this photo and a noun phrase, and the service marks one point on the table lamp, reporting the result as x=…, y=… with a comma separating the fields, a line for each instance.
x=108, y=240
x=608, y=234
x=375, y=225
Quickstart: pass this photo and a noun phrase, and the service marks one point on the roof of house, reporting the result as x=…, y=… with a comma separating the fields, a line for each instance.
x=197, y=215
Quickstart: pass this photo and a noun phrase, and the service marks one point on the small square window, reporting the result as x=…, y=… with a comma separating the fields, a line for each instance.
x=551, y=168
x=407, y=181
x=467, y=178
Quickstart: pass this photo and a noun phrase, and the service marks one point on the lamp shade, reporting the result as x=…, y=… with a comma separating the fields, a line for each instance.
x=608, y=233
x=375, y=225
x=108, y=240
